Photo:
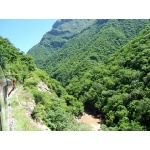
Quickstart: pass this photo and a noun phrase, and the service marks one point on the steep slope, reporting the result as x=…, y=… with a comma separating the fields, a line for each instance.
x=20, y=109
x=120, y=89
x=117, y=86
x=90, y=47
x=54, y=107
x=41, y=98
x=62, y=31
x=14, y=63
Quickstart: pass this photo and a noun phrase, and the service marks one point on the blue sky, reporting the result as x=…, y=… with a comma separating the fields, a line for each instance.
x=25, y=33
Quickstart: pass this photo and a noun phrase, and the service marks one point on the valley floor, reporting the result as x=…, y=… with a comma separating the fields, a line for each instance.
x=91, y=120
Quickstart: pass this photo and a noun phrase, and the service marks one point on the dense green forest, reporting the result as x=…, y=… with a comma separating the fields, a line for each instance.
x=14, y=62
x=62, y=31
x=56, y=108
x=119, y=88
x=105, y=67
x=88, y=48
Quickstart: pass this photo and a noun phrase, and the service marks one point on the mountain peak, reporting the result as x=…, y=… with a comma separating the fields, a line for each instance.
x=60, y=22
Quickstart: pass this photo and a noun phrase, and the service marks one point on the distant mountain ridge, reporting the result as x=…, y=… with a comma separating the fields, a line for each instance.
x=85, y=50
x=61, y=32
x=65, y=30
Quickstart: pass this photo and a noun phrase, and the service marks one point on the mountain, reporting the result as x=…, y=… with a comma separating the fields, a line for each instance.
x=106, y=67
x=62, y=31
x=119, y=89
x=88, y=48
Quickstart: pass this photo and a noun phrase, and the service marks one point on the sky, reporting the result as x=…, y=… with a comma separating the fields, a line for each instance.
x=25, y=33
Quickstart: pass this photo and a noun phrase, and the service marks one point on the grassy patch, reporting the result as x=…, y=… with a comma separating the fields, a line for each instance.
x=22, y=121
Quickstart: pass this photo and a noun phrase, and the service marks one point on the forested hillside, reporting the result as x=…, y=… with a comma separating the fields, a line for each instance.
x=100, y=66
x=89, y=47
x=62, y=31
x=14, y=63
x=54, y=107
x=106, y=68
x=120, y=88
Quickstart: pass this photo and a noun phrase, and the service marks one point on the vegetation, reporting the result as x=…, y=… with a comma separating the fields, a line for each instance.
x=15, y=63
x=103, y=67
x=55, y=107
x=61, y=33
x=113, y=84
x=88, y=48
x=119, y=89
x=21, y=111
